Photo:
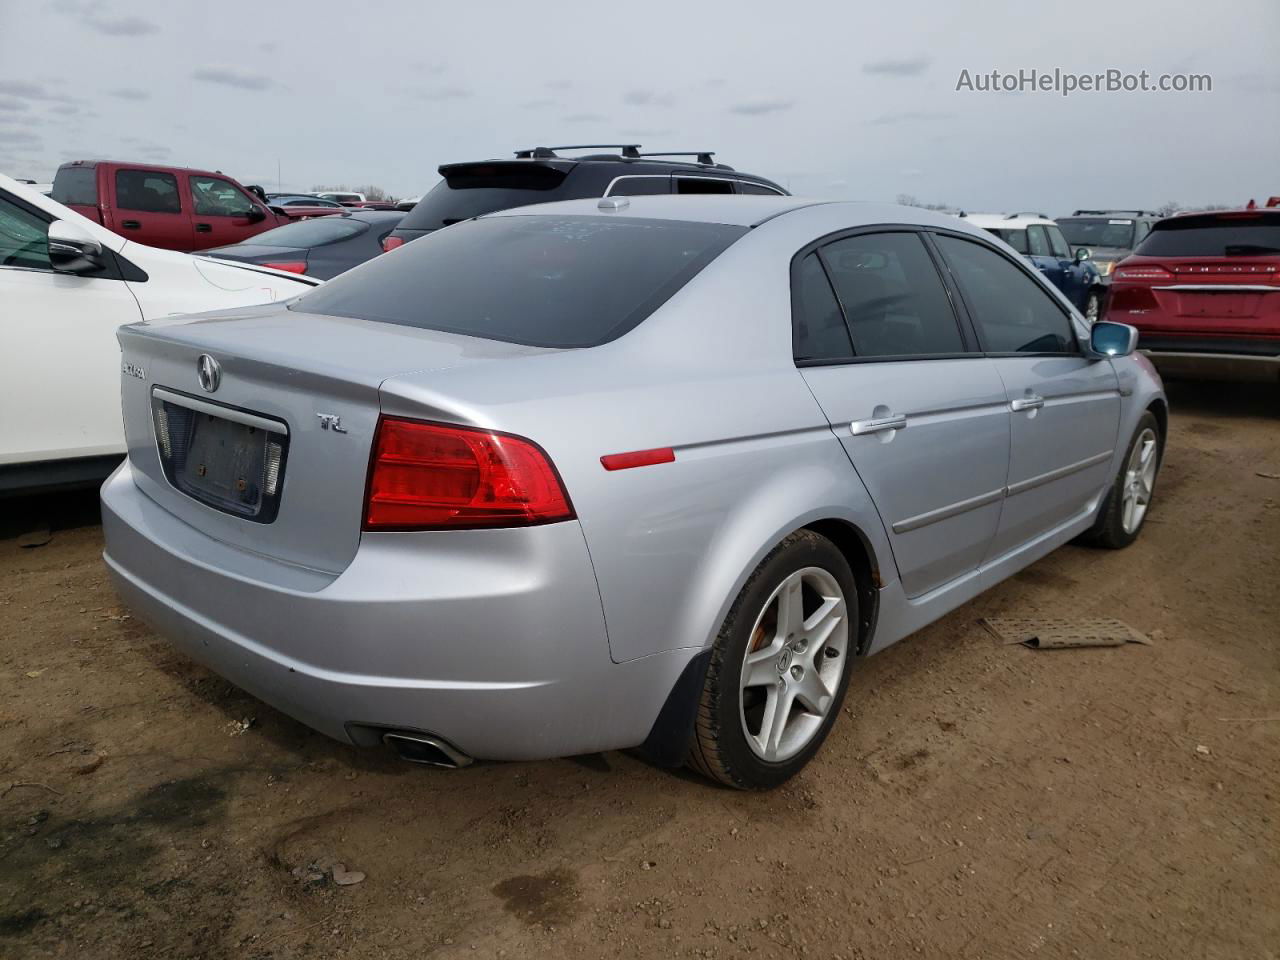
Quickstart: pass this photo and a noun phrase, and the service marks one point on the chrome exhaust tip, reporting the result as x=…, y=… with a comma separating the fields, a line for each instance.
x=426, y=749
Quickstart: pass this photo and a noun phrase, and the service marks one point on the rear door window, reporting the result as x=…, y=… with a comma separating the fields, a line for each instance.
x=1219, y=235
x=892, y=295
x=703, y=185
x=639, y=186
x=747, y=187
x=1038, y=241
x=1058, y=243
x=1013, y=313
x=538, y=280
x=147, y=191
x=820, y=330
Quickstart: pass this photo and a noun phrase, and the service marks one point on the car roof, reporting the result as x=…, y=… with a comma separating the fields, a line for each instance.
x=1007, y=221
x=642, y=164
x=742, y=211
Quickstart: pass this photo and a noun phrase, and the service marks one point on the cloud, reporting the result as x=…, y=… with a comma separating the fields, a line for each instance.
x=898, y=68
x=910, y=116
x=16, y=120
x=558, y=84
x=647, y=132
x=65, y=109
x=754, y=108
x=584, y=118
x=643, y=98
x=19, y=137
x=232, y=77
x=32, y=91
x=130, y=93
x=121, y=26
x=536, y=104
x=11, y=106
x=443, y=93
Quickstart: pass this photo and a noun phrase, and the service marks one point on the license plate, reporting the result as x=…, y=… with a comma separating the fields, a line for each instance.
x=229, y=464
x=1217, y=304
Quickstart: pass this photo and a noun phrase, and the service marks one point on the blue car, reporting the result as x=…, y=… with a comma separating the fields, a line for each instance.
x=1038, y=239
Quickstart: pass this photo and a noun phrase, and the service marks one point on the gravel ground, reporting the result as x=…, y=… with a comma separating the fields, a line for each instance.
x=977, y=800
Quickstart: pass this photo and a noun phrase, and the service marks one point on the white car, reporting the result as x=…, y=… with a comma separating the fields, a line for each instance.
x=342, y=197
x=66, y=285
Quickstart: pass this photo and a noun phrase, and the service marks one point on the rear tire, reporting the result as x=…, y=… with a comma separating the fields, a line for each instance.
x=779, y=667
x=1129, y=500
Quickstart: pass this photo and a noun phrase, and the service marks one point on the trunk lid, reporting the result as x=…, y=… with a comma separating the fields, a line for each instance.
x=1235, y=296
x=277, y=366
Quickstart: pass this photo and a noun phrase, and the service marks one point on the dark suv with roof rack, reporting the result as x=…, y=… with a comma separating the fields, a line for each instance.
x=541, y=175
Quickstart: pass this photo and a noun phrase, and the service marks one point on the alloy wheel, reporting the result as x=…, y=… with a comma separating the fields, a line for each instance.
x=793, y=664
x=1139, y=480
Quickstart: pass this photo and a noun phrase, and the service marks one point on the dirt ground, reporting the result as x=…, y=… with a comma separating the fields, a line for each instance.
x=978, y=800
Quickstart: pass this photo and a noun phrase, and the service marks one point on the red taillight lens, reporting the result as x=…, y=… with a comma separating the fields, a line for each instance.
x=292, y=266
x=430, y=476
x=389, y=243
x=1142, y=273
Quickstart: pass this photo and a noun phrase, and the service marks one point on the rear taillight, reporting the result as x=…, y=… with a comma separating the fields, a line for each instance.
x=1142, y=273
x=432, y=476
x=290, y=266
x=389, y=243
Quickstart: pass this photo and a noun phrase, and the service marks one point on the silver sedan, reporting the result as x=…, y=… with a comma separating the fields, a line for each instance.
x=651, y=472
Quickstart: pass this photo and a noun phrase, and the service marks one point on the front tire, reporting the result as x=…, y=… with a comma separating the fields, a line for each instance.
x=1129, y=499
x=779, y=667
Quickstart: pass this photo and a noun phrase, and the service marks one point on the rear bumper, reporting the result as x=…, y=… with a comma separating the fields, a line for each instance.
x=1253, y=359
x=493, y=640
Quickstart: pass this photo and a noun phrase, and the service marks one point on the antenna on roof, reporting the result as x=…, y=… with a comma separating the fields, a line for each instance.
x=704, y=156
x=629, y=150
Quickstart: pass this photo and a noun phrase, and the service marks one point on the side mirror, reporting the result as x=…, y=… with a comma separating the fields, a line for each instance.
x=71, y=249
x=1107, y=339
x=1083, y=254
x=256, y=214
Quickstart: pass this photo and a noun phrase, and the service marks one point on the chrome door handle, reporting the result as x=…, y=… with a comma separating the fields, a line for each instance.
x=1026, y=403
x=894, y=422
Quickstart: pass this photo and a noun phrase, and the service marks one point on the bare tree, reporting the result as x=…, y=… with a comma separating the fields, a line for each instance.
x=1169, y=209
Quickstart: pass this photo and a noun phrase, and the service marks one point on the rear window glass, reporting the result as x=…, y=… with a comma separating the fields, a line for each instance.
x=310, y=233
x=1101, y=232
x=1246, y=235
x=472, y=190
x=541, y=281
x=76, y=185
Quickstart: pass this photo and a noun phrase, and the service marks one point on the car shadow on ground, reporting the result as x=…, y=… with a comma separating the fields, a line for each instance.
x=1212, y=399
x=63, y=510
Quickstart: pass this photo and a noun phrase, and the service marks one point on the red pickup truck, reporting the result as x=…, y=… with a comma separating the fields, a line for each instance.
x=172, y=207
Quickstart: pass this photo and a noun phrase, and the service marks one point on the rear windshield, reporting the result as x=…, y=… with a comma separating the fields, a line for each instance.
x=310, y=233
x=76, y=185
x=1014, y=238
x=472, y=190
x=541, y=281
x=1101, y=232
x=1229, y=235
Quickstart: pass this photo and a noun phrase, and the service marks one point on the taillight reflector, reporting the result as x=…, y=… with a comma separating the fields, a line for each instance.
x=638, y=458
x=389, y=243
x=292, y=266
x=433, y=476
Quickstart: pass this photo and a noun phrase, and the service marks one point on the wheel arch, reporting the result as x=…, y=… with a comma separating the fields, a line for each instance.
x=1160, y=410
x=853, y=543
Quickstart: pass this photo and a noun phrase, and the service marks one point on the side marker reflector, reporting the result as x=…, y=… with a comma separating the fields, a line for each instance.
x=638, y=458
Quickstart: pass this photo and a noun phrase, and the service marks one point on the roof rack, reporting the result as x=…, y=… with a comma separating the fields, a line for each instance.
x=629, y=150
x=705, y=157
x=1098, y=213
x=1027, y=213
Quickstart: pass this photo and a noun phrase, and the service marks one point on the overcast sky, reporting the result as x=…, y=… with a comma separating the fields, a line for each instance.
x=835, y=99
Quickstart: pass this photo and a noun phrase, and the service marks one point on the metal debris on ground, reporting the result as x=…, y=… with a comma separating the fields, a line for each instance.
x=1042, y=633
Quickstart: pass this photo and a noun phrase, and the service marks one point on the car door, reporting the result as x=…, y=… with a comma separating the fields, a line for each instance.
x=1064, y=406
x=60, y=366
x=222, y=213
x=148, y=208
x=1040, y=254
x=922, y=416
x=1077, y=276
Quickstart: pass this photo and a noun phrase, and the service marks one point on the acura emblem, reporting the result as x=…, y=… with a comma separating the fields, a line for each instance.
x=209, y=371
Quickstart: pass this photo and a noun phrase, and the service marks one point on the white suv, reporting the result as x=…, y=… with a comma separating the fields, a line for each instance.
x=66, y=284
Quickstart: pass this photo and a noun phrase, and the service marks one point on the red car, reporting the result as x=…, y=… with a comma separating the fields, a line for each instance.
x=172, y=207
x=1204, y=291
